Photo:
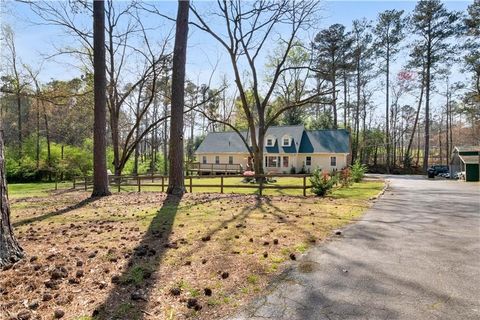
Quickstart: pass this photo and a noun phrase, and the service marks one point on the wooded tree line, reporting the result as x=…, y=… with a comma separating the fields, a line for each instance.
x=334, y=81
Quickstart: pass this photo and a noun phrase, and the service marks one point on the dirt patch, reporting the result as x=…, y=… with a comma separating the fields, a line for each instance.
x=146, y=256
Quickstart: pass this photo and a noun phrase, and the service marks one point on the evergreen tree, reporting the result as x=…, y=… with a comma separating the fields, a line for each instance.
x=434, y=26
x=100, y=177
x=330, y=46
x=389, y=32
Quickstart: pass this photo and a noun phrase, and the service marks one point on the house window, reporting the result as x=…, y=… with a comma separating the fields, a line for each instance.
x=286, y=141
x=204, y=159
x=230, y=160
x=217, y=159
x=308, y=161
x=272, y=162
x=269, y=142
x=333, y=161
x=285, y=162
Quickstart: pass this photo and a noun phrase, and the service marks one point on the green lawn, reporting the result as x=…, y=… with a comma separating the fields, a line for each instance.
x=357, y=191
x=34, y=189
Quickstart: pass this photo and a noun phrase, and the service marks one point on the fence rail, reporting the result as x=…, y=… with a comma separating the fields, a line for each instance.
x=161, y=182
x=214, y=167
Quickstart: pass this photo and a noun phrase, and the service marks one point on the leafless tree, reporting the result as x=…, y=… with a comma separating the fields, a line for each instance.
x=247, y=28
x=17, y=83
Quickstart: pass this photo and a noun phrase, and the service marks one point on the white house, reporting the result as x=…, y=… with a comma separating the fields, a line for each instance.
x=287, y=148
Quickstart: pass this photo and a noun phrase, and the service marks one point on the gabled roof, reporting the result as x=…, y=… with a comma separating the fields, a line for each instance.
x=303, y=141
x=222, y=142
x=468, y=150
x=329, y=141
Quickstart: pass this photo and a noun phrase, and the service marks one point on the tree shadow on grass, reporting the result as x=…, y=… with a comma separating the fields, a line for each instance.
x=48, y=215
x=132, y=289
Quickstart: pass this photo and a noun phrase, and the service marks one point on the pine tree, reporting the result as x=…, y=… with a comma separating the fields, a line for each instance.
x=330, y=46
x=389, y=32
x=434, y=26
x=176, y=183
x=100, y=177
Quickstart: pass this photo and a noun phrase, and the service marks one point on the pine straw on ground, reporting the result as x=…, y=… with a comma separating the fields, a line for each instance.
x=146, y=256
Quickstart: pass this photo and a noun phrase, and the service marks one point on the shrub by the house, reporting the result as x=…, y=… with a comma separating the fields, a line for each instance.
x=322, y=182
x=345, y=177
x=358, y=171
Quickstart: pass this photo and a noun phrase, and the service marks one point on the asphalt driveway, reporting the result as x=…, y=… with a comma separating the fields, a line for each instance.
x=414, y=255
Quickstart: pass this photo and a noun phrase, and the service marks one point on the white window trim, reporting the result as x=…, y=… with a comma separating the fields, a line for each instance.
x=270, y=138
x=333, y=166
x=289, y=141
x=308, y=165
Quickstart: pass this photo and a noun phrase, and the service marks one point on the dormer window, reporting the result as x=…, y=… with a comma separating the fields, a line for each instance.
x=270, y=141
x=286, y=141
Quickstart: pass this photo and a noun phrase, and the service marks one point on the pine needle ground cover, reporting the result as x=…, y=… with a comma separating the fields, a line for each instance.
x=149, y=256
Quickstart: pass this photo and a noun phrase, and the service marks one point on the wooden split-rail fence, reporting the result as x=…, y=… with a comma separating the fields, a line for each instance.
x=160, y=181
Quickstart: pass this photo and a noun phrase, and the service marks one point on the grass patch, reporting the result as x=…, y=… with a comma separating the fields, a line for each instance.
x=302, y=247
x=34, y=189
x=252, y=279
x=127, y=311
x=136, y=275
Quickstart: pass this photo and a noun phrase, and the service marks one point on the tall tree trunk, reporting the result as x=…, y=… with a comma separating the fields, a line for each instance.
x=37, y=150
x=448, y=125
x=10, y=250
x=407, y=159
x=19, y=115
x=387, y=106
x=47, y=135
x=426, y=152
x=100, y=176
x=345, y=105
x=137, y=146
x=165, y=140
x=334, y=97
x=357, y=113
x=176, y=183
x=440, y=140
x=418, y=147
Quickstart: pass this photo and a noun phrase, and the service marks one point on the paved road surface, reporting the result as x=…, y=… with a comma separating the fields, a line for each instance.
x=414, y=255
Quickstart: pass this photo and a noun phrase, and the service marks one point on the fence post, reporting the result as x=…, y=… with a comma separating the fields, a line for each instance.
x=221, y=184
x=190, y=184
x=119, y=180
x=260, y=190
x=163, y=184
x=304, y=186
x=211, y=172
x=85, y=183
x=74, y=185
x=138, y=183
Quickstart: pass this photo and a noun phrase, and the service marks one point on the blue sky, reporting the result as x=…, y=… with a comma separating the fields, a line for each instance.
x=34, y=41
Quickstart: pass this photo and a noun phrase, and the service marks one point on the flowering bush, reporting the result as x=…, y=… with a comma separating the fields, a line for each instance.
x=248, y=173
x=322, y=182
x=345, y=177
